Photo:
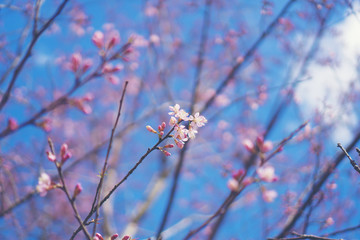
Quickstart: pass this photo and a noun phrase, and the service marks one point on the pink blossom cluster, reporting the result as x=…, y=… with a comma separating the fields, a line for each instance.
x=182, y=133
x=82, y=103
x=108, y=70
x=65, y=154
x=234, y=183
x=98, y=236
x=263, y=146
x=45, y=124
x=106, y=41
x=78, y=65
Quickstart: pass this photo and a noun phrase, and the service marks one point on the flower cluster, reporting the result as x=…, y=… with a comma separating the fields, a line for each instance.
x=78, y=65
x=98, y=236
x=65, y=154
x=263, y=146
x=237, y=176
x=82, y=103
x=181, y=133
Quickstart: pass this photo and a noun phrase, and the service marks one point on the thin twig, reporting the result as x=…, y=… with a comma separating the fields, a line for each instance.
x=27, y=55
x=353, y=163
x=102, y=175
x=304, y=236
x=130, y=172
x=198, y=71
x=64, y=188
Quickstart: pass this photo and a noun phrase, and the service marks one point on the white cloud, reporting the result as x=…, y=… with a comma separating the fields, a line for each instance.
x=329, y=83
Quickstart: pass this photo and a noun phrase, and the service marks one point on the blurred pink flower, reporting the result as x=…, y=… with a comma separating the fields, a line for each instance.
x=12, y=124
x=267, y=173
x=44, y=184
x=269, y=195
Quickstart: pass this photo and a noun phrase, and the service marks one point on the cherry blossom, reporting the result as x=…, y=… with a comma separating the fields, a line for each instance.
x=44, y=184
x=267, y=173
x=269, y=195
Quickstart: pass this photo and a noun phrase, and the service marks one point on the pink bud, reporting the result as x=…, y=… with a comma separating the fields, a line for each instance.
x=98, y=39
x=51, y=156
x=115, y=236
x=114, y=39
x=99, y=236
x=12, y=124
x=77, y=191
x=247, y=181
x=126, y=238
x=118, y=67
x=161, y=134
x=87, y=64
x=45, y=125
x=150, y=129
x=266, y=146
x=64, y=153
x=75, y=60
x=169, y=146
x=113, y=79
x=179, y=144
x=163, y=125
x=248, y=145
x=259, y=140
x=233, y=185
x=237, y=174
x=166, y=153
x=88, y=97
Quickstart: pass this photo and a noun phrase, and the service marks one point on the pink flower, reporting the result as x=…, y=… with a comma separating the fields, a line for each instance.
x=249, y=145
x=329, y=221
x=154, y=39
x=269, y=195
x=247, y=181
x=182, y=115
x=174, y=110
x=98, y=39
x=44, y=184
x=192, y=132
x=181, y=132
x=198, y=120
x=172, y=121
x=233, y=185
x=267, y=173
x=12, y=124
x=264, y=146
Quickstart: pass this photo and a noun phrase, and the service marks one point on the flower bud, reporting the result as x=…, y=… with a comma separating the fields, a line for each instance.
x=77, y=191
